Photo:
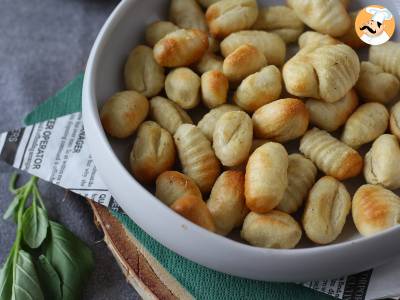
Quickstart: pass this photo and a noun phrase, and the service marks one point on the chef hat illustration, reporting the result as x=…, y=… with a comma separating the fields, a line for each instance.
x=379, y=14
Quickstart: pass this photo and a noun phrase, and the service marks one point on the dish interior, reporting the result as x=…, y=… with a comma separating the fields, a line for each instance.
x=128, y=32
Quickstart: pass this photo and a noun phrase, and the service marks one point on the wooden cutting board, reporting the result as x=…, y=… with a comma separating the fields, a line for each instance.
x=149, y=278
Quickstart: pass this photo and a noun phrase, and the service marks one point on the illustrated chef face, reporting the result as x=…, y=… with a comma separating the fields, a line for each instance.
x=375, y=26
x=372, y=28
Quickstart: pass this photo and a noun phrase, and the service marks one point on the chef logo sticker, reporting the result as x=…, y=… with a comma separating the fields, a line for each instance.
x=375, y=25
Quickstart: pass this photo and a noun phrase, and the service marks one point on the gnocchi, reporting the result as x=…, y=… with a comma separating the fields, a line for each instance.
x=375, y=85
x=270, y=44
x=214, y=88
x=244, y=61
x=226, y=202
x=282, y=120
x=181, y=48
x=182, y=86
x=330, y=116
x=153, y=152
x=274, y=229
x=369, y=121
x=266, y=177
x=330, y=155
x=375, y=209
x=197, y=156
x=232, y=138
x=142, y=73
x=326, y=210
x=259, y=88
x=122, y=114
x=168, y=114
x=172, y=185
x=301, y=177
x=382, y=162
x=227, y=16
x=281, y=20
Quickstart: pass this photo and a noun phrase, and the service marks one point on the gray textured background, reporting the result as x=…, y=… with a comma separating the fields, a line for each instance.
x=43, y=45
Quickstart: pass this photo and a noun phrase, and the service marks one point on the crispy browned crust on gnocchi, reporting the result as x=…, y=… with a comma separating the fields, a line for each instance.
x=375, y=209
x=330, y=155
x=180, y=48
x=195, y=210
x=266, y=177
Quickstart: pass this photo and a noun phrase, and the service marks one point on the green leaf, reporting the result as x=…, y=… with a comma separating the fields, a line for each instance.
x=70, y=257
x=26, y=285
x=6, y=278
x=12, y=208
x=34, y=226
x=49, y=279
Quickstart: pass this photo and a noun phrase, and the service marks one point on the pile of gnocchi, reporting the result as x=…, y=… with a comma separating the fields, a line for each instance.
x=232, y=169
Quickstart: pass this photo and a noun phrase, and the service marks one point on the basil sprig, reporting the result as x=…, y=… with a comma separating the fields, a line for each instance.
x=46, y=260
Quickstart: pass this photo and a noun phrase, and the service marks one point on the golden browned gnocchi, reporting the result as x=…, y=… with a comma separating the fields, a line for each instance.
x=153, y=152
x=194, y=209
x=227, y=16
x=245, y=60
x=301, y=177
x=214, y=88
x=330, y=116
x=122, y=114
x=382, y=162
x=281, y=120
x=281, y=20
x=375, y=209
x=395, y=120
x=326, y=73
x=181, y=48
x=172, y=185
x=157, y=30
x=168, y=114
x=329, y=17
x=142, y=73
x=197, y=156
x=227, y=202
x=274, y=229
x=232, y=138
x=187, y=14
x=326, y=210
x=209, y=62
x=182, y=86
x=266, y=177
x=207, y=123
x=374, y=85
x=369, y=121
x=387, y=56
x=270, y=44
x=330, y=155
x=259, y=88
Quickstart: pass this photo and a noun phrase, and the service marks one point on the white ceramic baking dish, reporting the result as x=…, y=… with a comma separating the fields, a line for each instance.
x=350, y=254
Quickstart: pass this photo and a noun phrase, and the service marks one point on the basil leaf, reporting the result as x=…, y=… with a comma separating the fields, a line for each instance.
x=6, y=278
x=49, y=279
x=34, y=226
x=70, y=257
x=26, y=285
x=12, y=208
